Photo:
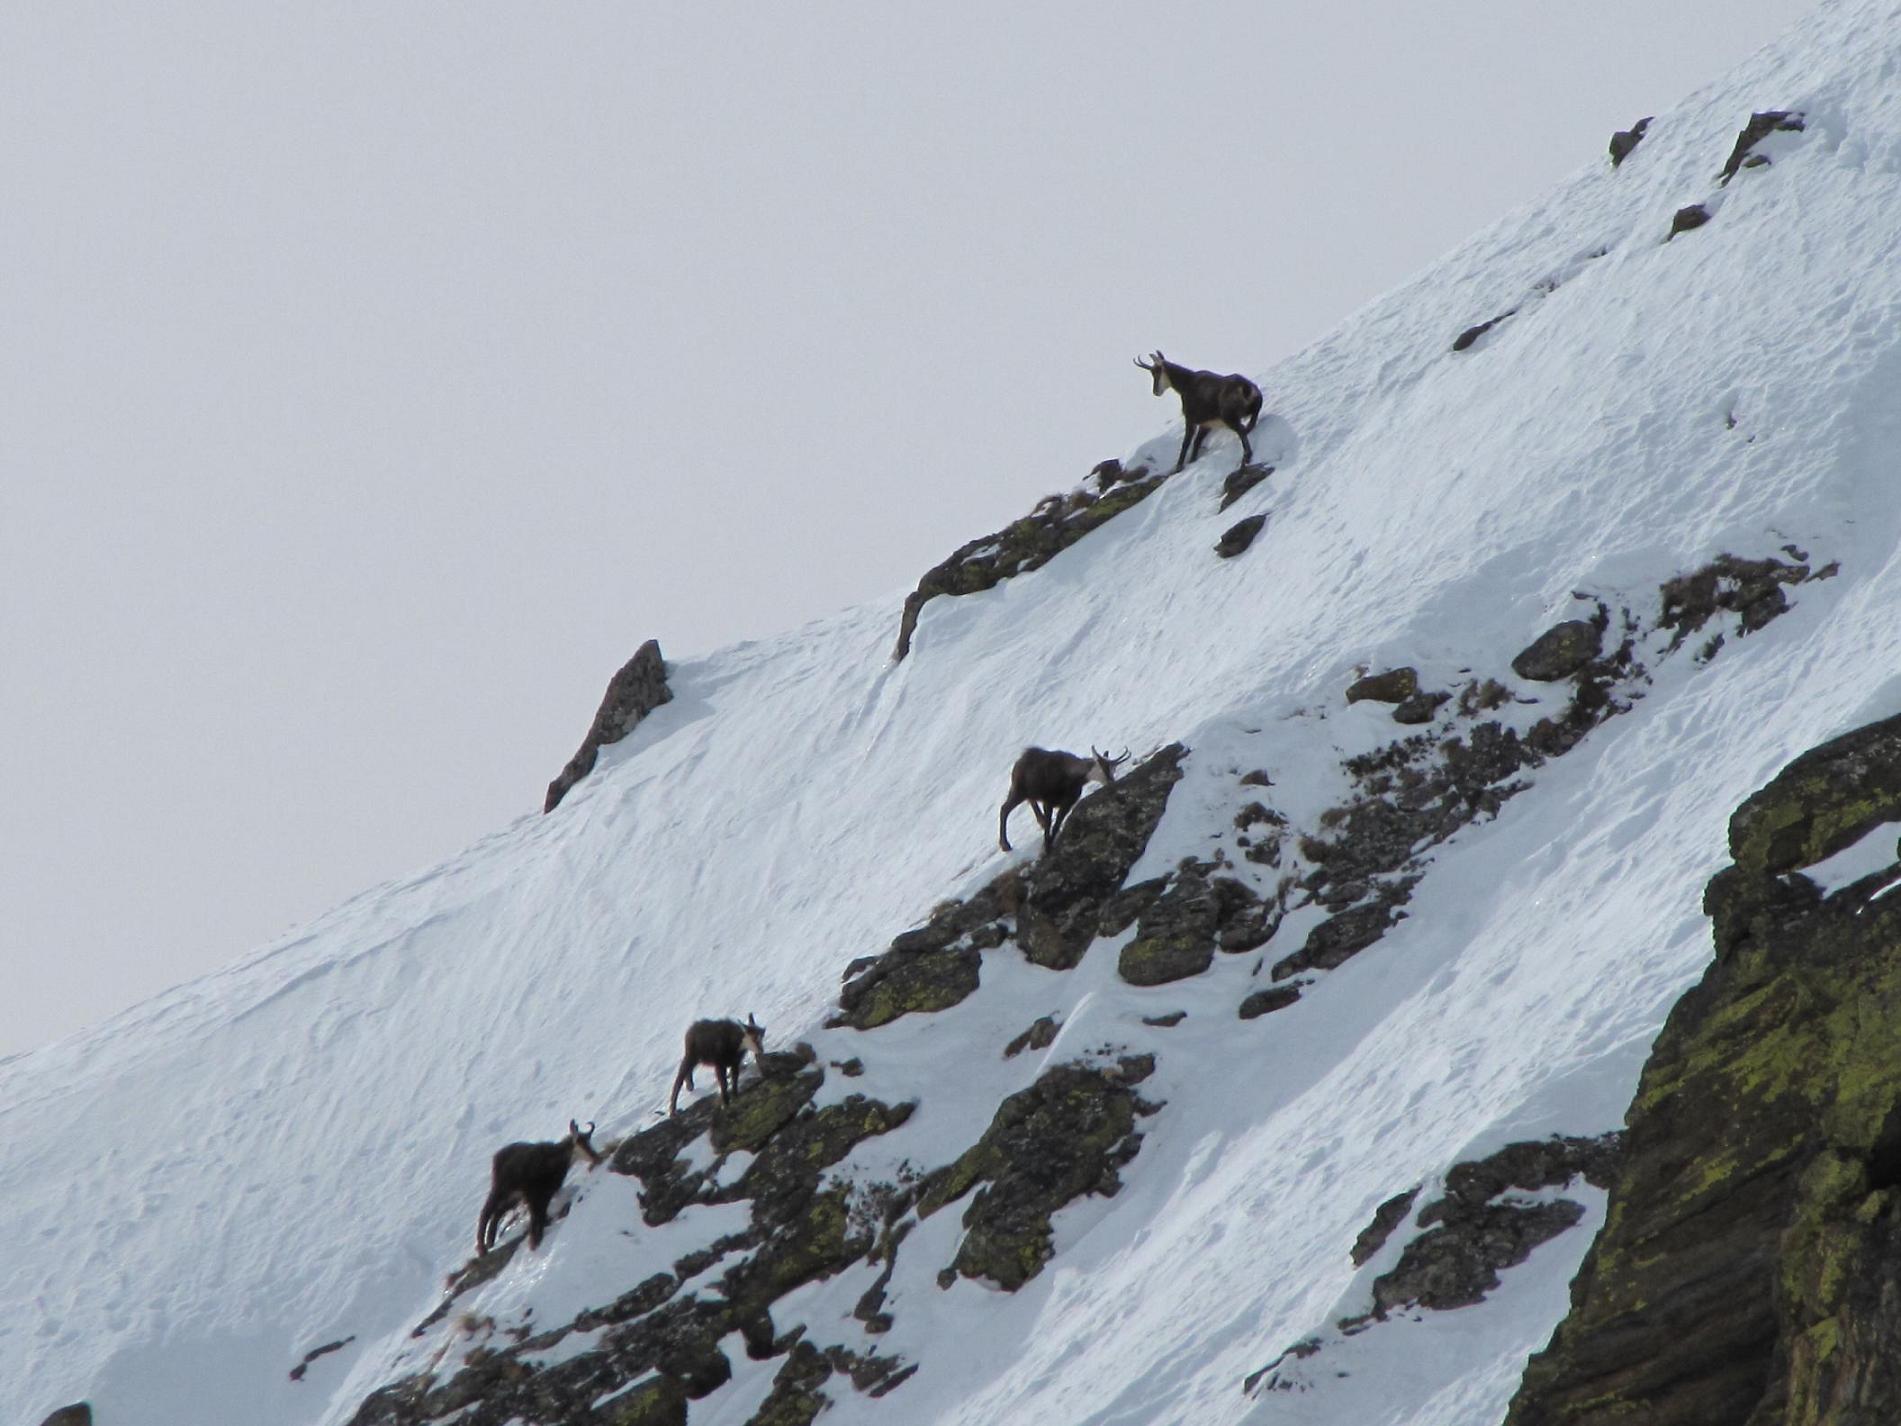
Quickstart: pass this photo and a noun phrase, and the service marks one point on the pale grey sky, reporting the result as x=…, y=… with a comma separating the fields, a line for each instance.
x=375, y=378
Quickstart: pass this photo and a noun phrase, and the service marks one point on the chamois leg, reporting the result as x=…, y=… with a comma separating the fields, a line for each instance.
x=537, y=1218
x=490, y=1223
x=684, y=1077
x=1010, y=804
x=1247, y=451
x=1188, y=434
x=719, y=1073
x=1201, y=435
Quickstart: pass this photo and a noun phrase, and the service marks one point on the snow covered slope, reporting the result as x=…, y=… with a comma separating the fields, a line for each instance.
x=290, y=1153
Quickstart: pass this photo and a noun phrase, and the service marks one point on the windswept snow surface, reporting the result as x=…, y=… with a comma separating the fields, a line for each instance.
x=291, y=1152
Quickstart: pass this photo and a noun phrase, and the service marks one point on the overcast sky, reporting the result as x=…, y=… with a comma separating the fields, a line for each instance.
x=374, y=378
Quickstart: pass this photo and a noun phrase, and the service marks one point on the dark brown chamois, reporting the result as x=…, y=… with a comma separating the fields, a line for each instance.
x=530, y=1174
x=1052, y=783
x=723, y=1045
x=1208, y=400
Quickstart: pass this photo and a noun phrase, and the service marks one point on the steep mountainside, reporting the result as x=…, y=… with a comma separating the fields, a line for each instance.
x=1288, y=1091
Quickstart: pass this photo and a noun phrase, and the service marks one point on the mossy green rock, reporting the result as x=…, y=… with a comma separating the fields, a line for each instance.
x=904, y=982
x=1749, y=1271
x=657, y=1401
x=1065, y=1136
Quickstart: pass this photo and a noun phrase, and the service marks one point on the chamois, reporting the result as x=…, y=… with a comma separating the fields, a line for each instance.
x=1052, y=783
x=530, y=1174
x=723, y=1045
x=1208, y=400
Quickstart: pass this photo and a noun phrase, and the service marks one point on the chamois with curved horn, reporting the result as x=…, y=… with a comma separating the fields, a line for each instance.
x=1208, y=400
x=723, y=1045
x=531, y=1174
x=1052, y=783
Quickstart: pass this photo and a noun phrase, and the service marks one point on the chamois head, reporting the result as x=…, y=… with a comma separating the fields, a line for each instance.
x=1102, y=767
x=754, y=1036
x=583, y=1140
x=1157, y=367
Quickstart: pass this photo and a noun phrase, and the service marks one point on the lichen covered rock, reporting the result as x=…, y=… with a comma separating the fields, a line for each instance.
x=1065, y=1136
x=1749, y=1270
x=1560, y=651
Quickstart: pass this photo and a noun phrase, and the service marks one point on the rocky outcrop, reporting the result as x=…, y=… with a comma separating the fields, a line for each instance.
x=1759, y=127
x=1198, y=911
x=1752, y=589
x=1056, y=524
x=659, y=1345
x=1749, y=1271
x=78, y=1414
x=1479, y=1227
x=1063, y=1137
x=633, y=693
x=1494, y=1212
x=1241, y=481
x=1624, y=141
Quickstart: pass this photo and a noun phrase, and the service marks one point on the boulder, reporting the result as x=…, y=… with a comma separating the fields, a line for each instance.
x=1559, y=652
x=1266, y=1002
x=1695, y=215
x=1238, y=536
x=1759, y=127
x=1394, y=686
x=1472, y=334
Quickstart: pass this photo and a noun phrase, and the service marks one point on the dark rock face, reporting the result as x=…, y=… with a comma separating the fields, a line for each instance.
x=1065, y=1136
x=1241, y=481
x=1472, y=334
x=1759, y=127
x=78, y=1414
x=1625, y=140
x=1396, y=685
x=1471, y=1236
x=1695, y=215
x=1749, y=1272
x=1238, y=536
x=633, y=693
x=1388, y=1216
x=1559, y=652
x=1056, y=524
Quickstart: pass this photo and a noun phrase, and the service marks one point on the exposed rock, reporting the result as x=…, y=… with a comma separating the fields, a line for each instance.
x=1166, y=1022
x=633, y=693
x=1177, y=935
x=1752, y=589
x=1027, y=544
x=1338, y=939
x=1257, y=778
x=796, y=1398
x=1388, y=1216
x=1559, y=652
x=1394, y=686
x=1759, y=127
x=657, y=1401
x=1695, y=215
x=1419, y=708
x=1063, y=1137
x=1238, y=536
x=1040, y=1036
x=908, y=982
x=1471, y=1235
x=1750, y=1267
x=1241, y=481
x=78, y=1414
x=1472, y=334
x=1064, y=896
x=1266, y=1002
x=1624, y=140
